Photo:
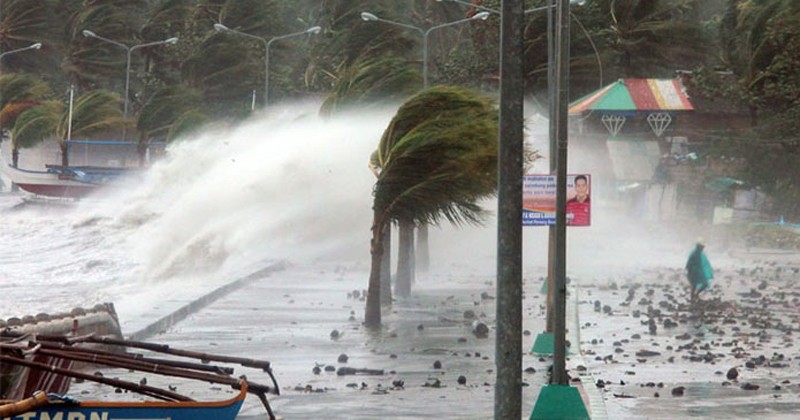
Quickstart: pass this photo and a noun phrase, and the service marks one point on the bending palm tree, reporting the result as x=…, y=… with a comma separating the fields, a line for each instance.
x=436, y=160
x=18, y=93
x=94, y=112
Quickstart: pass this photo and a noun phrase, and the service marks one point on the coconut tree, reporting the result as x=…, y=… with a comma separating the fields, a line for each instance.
x=96, y=111
x=22, y=23
x=436, y=160
x=18, y=93
x=170, y=112
x=372, y=80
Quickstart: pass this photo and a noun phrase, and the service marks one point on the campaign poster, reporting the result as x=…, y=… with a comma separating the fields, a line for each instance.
x=539, y=200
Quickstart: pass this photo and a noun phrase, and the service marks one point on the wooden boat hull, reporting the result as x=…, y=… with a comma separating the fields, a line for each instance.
x=17, y=382
x=151, y=410
x=48, y=184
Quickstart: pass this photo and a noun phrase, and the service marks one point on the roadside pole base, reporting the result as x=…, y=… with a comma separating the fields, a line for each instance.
x=544, y=344
x=557, y=402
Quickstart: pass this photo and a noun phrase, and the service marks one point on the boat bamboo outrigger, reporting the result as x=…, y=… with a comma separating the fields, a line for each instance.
x=19, y=349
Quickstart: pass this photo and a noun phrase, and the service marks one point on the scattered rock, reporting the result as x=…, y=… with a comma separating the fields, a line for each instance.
x=479, y=329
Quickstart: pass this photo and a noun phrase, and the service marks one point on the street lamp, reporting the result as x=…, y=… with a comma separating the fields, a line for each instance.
x=89, y=34
x=366, y=16
x=267, y=44
x=35, y=46
x=495, y=11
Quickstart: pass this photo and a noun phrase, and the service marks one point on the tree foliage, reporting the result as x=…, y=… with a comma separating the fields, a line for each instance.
x=435, y=161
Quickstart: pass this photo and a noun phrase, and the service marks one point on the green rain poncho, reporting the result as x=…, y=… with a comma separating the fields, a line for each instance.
x=699, y=269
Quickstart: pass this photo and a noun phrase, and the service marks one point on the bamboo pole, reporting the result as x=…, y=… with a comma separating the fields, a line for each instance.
x=141, y=366
x=222, y=370
x=130, y=386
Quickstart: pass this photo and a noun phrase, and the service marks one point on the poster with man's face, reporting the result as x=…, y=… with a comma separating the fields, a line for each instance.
x=579, y=209
x=539, y=200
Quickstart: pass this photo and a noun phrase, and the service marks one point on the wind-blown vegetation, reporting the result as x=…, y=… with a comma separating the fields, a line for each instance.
x=211, y=75
x=436, y=160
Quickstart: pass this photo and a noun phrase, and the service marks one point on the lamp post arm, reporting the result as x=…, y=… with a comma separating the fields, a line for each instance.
x=128, y=68
x=266, y=58
x=150, y=44
x=245, y=34
x=477, y=6
x=487, y=9
x=444, y=25
x=425, y=36
x=402, y=25
x=110, y=41
x=29, y=47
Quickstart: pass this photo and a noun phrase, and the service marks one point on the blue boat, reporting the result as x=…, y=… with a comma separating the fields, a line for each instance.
x=48, y=353
x=43, y=406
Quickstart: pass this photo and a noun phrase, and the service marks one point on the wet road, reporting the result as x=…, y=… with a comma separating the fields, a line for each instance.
x=749, y=323
x=288, y=319
x=677, y=365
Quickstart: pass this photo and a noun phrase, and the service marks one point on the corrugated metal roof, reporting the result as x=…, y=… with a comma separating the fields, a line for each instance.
x=626, y=95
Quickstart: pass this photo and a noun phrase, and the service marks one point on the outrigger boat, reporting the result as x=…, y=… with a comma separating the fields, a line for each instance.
x=64, y=181
x=18, y=349
x=104, y=164
x=52, y=406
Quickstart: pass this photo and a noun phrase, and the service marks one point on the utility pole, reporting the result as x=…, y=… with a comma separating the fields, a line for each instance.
x=508, y=344
x=562, y=108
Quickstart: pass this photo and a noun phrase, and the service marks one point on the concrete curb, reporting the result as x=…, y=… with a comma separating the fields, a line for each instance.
x=597, y=405
x=184, y=311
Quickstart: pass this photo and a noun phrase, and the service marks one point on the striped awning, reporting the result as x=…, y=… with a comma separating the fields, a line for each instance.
x=635, y=95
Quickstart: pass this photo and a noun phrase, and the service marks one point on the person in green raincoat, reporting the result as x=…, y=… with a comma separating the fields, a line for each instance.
x=698, y=270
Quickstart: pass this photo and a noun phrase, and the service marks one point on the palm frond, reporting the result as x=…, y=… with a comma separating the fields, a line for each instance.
x=438, y=158
x=96, y=111
x=36, y=124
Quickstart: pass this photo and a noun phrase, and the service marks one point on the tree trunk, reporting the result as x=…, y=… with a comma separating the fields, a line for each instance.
x=405, y=249
x=64, y=154
x=15, y=156
x=423, y=254
x=372, y=311
x=386, y=266
x=141, y=149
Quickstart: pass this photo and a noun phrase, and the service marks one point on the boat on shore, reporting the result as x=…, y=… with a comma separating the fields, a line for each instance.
x=51, y=406
x=69, y=356
x=18, y=382
x=93, y=165
x=57, y=181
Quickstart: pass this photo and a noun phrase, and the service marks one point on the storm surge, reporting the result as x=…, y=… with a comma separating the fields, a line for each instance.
x=286, y=185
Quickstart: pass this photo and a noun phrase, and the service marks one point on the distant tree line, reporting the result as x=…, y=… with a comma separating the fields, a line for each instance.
x=210, y=75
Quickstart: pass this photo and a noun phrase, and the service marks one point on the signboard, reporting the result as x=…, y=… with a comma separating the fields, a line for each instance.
x=539, y=200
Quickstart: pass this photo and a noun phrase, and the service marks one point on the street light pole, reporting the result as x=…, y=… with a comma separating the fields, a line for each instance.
x=267, y=44
x=425, y=33
x=89, y=34
x=477, y=16
x=495, y=11
x=35, y=46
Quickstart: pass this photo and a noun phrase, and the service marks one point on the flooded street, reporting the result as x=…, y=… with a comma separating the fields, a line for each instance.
x=736, y=354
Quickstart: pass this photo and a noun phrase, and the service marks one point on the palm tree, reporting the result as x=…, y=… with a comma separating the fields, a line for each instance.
x=437, y=159
x=18, y=93
x=22, y=23
x=96, y=111
x=372, y=80
x=170, y=112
